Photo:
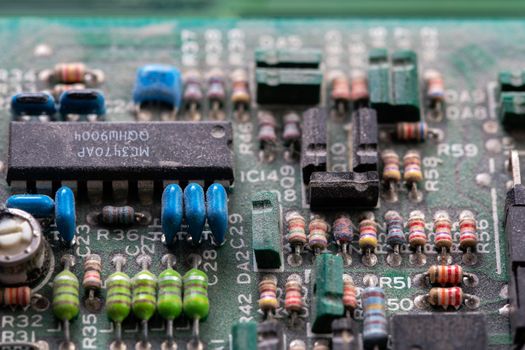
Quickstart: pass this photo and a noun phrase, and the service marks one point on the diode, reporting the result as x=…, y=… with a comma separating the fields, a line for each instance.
x=66, y=301
x=349, y=295
x=268, y=302
x=296, y=236
x=395, y=237
x=447, y=275
x=216, y=93
x=343, y=235
x=293, y=296
x=368, y=239
x=144, y=298
x=447, y=297
x=267, y=135
x=443, y=235
x=417, y=237
x=318, y=235
x=196, y=304
x=193, y=95
x=468, y=238
x=118, y=300
x=413, y=174
x=340, y=91
x=169, y=301
x=391, y=173
x=92, y=282
x=240, y=96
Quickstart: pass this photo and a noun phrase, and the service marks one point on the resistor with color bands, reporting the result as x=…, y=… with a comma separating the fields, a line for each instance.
x=374, y=318
x=318, y=235
x=268, y=301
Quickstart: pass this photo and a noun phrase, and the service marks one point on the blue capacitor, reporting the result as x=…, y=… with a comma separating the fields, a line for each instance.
x=38, y=205
x=194, y=211
x=157, y=83
x=375, y=335
x=172, y=212
x=33, y=104
x=83, y=102
x=217, y=211
x=65, y=215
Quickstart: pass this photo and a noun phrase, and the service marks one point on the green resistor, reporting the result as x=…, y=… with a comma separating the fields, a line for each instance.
x=118, y=300
x=66, y=297
x=144, y=299
x=169, y=302
x=196, y=304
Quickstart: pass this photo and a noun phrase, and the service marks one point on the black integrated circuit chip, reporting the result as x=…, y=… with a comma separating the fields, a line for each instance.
x=120, y=151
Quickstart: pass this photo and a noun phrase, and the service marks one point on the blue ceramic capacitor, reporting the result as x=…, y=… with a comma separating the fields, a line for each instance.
x=38, y=205
x=82, y=102
x=32, y=104
x=194, y=211
x=65, y=215
x=159, y=84
x=217, y=212
x=172, y=212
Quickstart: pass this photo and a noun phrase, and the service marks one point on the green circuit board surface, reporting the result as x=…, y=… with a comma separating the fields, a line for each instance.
x=464, y=170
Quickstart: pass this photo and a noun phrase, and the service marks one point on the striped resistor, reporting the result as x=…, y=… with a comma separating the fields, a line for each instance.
x=391, y=173
x=340, y=92
x=368, y=239
x=169, y=300
x=413, y=174
x=143, y=301
x=267, y=134
x=118, y=299
x=349, y=295
x=359, y=88
x=343, y=235
x=293, y=296
x=435, y=90
x=268, y=302
x=449, y=275
x=417, y=237
x=72, y=73
x=416, y=132
x=395, y=237
x=216, y=93
x=442, y=233
x=318, y=235
x=92, y=282
x=451, y=297
x=15, y=296
x=375, y=333
x=240, y=96
x=193, y=94
x=66, y=301
x=468, y=238
x=296, y=236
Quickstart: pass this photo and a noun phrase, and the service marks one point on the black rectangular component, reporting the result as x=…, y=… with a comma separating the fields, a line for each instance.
x=454, y=331
x=288, y=58
x=270, y=335
x=340, y=190
x=364, y=134
x=314, y=142
x=120, y=151
x=288, y=86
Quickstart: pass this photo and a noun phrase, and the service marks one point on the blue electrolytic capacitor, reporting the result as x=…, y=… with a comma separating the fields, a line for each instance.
x=32, y=104
x=38, y=205
x=83, y=102
x=157, y=83
x=172, y=212
x=65, y=215
x=194, y=211
x=217, y=211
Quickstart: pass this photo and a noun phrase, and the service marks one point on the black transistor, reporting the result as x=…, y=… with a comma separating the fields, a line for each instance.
x=364, y=133
x=314, y=142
